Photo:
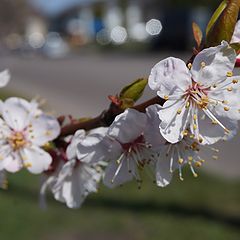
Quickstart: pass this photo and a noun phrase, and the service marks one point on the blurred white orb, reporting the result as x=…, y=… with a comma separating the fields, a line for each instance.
x=154, y=27
x=138, y=32
x=119, y=35
x=36, y=40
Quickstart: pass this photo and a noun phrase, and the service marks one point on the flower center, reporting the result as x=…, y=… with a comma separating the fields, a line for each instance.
x=198, y=95
x=17, y=140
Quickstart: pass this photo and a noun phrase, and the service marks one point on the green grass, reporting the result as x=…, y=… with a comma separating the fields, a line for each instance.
x=202, y=208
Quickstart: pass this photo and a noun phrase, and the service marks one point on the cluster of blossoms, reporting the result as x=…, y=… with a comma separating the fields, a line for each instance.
x=202, y=107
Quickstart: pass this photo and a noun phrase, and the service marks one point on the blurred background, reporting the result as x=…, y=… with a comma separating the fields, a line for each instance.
x=75, y=53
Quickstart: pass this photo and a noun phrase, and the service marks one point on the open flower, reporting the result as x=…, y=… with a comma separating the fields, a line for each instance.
x=76, y=178
x=24, y=129
x=4, y=78
x=203, y=98
x=131, y=150
x=175, y=156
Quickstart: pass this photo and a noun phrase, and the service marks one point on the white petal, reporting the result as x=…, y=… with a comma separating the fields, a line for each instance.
x=15, y=112
x=173, y=123
x=236, y=34
x=12, y=163
x=35, y=159
x=218, y=61
x=170, y=77
x=212, y=133
x=44, y=129
x=152, y=133
x=72, y=147
x=101, y=131
x=118, y=174
x=128, y=126
x=4, y=78
x=163, y=175
x=77, y=183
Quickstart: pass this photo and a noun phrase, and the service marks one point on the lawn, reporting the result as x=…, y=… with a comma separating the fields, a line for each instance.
x=201, y=208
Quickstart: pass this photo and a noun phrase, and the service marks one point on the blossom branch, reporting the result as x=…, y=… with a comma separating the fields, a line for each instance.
x=105, y=118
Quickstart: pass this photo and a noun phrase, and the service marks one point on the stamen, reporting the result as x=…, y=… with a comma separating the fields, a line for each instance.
x=234, y=81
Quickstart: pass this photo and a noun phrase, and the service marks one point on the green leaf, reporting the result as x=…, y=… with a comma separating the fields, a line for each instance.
x=132, y=92
x=197, y=33
x=216, y=15
x=222, y=24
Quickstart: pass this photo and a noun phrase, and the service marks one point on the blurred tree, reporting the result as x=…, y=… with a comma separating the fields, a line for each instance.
x=191, y=3
x=13, y=15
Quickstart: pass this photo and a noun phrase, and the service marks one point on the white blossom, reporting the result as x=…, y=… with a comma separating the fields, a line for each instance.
x=203, y=98
x=131, y=150
x=24, y=129
x=77, y=177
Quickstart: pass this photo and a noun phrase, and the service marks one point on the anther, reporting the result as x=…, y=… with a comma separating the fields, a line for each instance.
x=187, y=104
x=234, y=81
x=189, y=65
x=203, y=64
x=180, y=161
x=229, y=89
x=226, y=109
x=229, y=74
x=166, y=97
x=195, y=117
x=179, y=111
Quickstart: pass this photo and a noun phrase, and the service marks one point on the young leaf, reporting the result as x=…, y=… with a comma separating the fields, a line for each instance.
x=131, y=93
x=197, y=33
x=216, y=15
x=223, y=23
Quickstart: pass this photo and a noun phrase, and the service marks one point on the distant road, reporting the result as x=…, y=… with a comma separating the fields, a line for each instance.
x=79, y=85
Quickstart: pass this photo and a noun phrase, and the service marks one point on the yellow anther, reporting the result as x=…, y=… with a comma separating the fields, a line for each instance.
x=203, y=64
x=234, y=81
x=189, y=65
x=194, y=126
x=195, y=117
x=166, y=97
x=27, y=165
x=181, y=178
x=48, y=133
x=225, y=102
x=229, y=89
x=214, y=85
x=190, y=158
x=180, y=161
x=179, y=111
x=192, y=136
x=187, y=104
x=202, y=161
x=198, y=164
x=226, y=109
x=185, y=133
x=200, y=139
x=214, y=122
x=215, y=157
x=195, y=175
x=229, y=74
x=1, y=157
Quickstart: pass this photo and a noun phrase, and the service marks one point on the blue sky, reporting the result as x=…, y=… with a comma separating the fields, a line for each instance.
x=54, y=7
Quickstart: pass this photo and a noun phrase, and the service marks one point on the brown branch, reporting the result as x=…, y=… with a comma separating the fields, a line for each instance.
x=105, y=119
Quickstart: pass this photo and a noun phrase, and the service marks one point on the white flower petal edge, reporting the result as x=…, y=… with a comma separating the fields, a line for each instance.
x=212, y=90
x=236, y=34
x=4, y=78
